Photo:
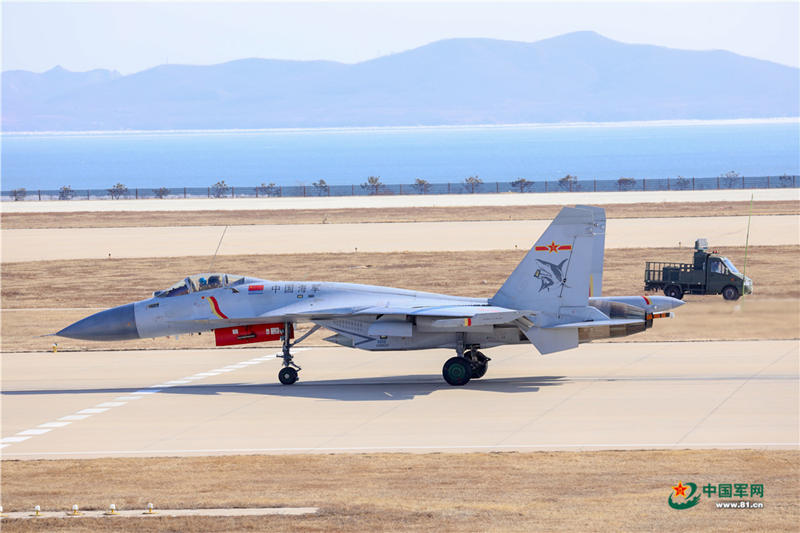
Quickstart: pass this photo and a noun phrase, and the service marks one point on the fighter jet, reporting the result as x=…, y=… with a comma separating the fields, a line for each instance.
x=551, y=300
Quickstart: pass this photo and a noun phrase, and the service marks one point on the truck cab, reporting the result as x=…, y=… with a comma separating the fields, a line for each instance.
x=709, y=273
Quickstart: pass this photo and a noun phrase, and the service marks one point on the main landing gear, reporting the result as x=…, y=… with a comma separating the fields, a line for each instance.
x=471, y=364
x=288, y=374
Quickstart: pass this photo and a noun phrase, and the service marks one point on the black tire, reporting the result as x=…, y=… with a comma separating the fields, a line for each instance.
x=287, y=375
x=457, y=371
x=674, y=291
x=730, y=293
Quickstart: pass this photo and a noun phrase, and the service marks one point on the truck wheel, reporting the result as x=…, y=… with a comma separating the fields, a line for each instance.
x=673, y=291
x=730, y=293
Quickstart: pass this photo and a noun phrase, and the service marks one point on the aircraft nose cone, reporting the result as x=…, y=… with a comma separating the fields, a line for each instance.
x=115, y=324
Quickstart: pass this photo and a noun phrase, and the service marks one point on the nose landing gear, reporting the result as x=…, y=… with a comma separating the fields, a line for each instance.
x=288, y=374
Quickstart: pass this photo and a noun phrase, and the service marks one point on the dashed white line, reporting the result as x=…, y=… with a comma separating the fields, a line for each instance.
x=54, y=424
x=122, y=400
x=34, y=432
x=6, y=440
x=93, y=411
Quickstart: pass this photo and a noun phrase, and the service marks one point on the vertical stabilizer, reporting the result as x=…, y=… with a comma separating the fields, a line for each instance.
x=598, y=249
x=556, y=271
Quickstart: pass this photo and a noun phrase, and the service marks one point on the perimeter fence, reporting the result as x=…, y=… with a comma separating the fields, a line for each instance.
x=221, y=190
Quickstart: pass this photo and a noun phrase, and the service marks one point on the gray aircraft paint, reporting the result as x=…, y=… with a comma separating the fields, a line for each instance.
x=545, y=301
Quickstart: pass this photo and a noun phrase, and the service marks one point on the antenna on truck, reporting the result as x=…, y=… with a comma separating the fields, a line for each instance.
x=747, y=241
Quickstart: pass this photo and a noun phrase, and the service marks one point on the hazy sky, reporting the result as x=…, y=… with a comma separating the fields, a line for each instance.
x=133, y=36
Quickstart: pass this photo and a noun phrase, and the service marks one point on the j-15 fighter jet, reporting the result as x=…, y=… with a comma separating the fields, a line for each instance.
x=551, y=300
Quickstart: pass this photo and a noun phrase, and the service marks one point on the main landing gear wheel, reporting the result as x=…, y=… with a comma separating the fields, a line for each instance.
x=479, y=363
x=457, y=371
x=287, y=375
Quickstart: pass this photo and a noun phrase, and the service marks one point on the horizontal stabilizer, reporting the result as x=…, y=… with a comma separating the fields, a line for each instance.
x=549, y=340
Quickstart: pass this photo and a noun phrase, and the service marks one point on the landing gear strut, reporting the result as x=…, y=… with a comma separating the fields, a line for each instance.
x=467, y=365
x=478, y=362
x=288, y=374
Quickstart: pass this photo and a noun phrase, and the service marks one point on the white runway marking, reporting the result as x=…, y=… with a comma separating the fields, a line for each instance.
x=34, y=431
x=8, y=440
x=54, y=424
x=105, y=406
x=92, y=411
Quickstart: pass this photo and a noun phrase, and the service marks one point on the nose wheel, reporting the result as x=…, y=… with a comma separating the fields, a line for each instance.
x=287, y=375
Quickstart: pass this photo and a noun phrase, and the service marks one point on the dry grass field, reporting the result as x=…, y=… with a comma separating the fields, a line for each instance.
x=409, y=214
x=42, y=288
x=540, y=491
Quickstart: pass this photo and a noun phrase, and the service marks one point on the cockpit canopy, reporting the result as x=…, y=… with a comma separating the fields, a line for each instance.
x=201, y=282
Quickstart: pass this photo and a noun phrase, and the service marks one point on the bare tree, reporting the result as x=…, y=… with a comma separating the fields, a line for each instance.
x=730, y=179
x=522, y=185
x=65, y=193
x=681, y=183
x=421, y=186
x=19, y=194
x=626, y=184
x=472, y=182
x=321, y=187
x=117, y=190
x=373, y=185
x=568, y=183
x=220, y=189
x=161, y=192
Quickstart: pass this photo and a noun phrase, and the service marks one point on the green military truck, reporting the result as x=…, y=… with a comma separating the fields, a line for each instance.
x=709, y=274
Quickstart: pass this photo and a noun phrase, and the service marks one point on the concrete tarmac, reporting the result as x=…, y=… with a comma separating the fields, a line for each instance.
x=228, y=401
x=89, y=243
x=396, y=201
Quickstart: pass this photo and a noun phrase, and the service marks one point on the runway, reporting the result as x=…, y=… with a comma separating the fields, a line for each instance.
x=202, y=402
x=392, y=201
x=96, y=243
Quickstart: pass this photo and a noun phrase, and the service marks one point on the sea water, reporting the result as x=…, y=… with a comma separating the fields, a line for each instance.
x=400, y=155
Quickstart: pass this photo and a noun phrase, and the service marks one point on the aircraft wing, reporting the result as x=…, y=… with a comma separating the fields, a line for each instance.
x=448, y=315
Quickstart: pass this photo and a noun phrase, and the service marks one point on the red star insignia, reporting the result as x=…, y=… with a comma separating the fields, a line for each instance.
x=552, y=247
x=680, y=490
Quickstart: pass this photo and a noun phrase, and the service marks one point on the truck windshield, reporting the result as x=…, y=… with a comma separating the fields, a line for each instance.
x=730, y=265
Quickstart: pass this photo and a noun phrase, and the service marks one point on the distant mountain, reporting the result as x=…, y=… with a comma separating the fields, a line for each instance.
x=575, y=77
